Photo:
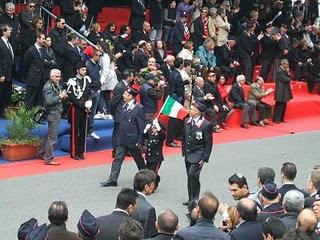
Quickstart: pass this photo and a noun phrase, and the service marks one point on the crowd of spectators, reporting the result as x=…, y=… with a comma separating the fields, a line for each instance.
x=272, y=212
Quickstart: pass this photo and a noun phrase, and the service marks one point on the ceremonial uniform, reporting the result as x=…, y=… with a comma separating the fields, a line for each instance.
x=196, y=147
x=79, y=93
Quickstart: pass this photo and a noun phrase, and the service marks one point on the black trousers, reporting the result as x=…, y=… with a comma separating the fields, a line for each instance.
x=247, y=68
x=193, y=174
x=266, y=67
x=78, y=120
x=114, y=135
x=174, y=128
x=5, y=95
x=279, y=111
x=34, y=96
x=264, y=110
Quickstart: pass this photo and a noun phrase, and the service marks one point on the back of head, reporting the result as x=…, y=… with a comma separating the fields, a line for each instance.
x=296, y=234
x=126, y=197
x=130, y=230
x=266, y=174
x=208, y=205
x=289, y=170
x=58, y=213
x=142, y=178
x=167, y=222
x=274, y=227
x=307, y=220
x=247, y=209
x=315, y=177
x=178, y=62
x=293, y=201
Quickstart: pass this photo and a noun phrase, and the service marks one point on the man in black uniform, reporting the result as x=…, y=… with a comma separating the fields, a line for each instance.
x=196, y=147
x=79, y=93
x=129, y=137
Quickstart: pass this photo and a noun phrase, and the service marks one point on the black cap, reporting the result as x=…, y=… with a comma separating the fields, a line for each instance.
x=183, y=14
x=39, y=233
x=26, y=228
x=80, y=64
x=132, y=91
x=88, y=225
x=269, y=190
x=200, y=106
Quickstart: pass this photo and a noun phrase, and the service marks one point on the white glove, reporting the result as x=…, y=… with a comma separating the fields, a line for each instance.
x=102, y=81
x=88, y=104
x=148, y=126
x=155, y=123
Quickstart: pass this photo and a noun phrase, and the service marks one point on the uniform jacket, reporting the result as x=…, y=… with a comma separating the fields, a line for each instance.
x=146, y=215
x=74, y=83
x=256, y=93
x=109, y=225
x=203, y=229
x=6, y=61
x=154, y=152
x=131, y=126
x=51, y=98
x=197, y=140
x=282, y=91
x=247, y=230
x=56, y=232
x=116, y=103
x=275, y=209
x=33, y=67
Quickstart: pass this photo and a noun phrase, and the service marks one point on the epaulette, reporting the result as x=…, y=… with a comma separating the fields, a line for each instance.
x=87, y=78
x=72, y=81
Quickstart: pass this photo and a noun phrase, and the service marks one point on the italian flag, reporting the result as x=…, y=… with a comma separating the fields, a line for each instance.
x=173, y=109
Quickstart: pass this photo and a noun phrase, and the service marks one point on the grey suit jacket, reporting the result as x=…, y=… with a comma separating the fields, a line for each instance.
x=146, y=215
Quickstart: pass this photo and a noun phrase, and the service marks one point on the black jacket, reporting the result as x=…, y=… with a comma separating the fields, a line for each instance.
x=154, y=153
x=137, y=14
x=6, y=61
x=247, y=230
x=149, y=97
x=236, y=95
x=275, y=209
x=116, y=103
x=70, y=59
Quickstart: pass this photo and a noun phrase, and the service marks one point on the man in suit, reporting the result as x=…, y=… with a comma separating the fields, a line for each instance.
x=256, y=94
x=181, y=33
x=283, y=93
x=109, y=224
x=166, y=68
x=116, y=103
x=59, y=39
x=130, y=136
x=58, y=216
x=237, y=97
x=176, y=91
x=6, y=66
x=143, y=34
x=196, y=147
x=33, y=72
x=137, y=16
x=248, y=228
x=140, y=56
x=313, y=186
x=167, y=223
x=127, y=59
x=204, y=228
x=71, y=57
x=144, y=183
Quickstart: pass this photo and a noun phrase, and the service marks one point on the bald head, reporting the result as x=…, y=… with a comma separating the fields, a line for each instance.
x=208, y=205
x=307, y=220
x=167, y=222
x=247, y=209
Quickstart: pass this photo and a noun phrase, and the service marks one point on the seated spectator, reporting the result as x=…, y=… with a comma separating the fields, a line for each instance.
x=255, y=96
x=293, y=203
x=288, y=174
x=167, y=223
x=95, y=33
x=109, y=32
x=249, y=227
x=126, y=204
x=273, y=228
x=307, y=222
x=26, y=228
x=206, y=54
x=88, y=226
x=58, y=216
x=187, y=52
x=204, y=228
x=130, y=230
x=269, y=197
x=236, y=96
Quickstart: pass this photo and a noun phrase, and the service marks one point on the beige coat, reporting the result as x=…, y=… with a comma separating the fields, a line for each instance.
x=223, y=28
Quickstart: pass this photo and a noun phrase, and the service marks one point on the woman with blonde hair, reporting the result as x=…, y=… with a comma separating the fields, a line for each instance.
x=94, y=35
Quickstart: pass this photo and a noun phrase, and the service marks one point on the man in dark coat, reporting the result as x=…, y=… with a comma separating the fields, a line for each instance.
x=143, y=183
x=59, y=39
x=58, y=216
x=140, y=56
x=283, y=93
x=181, y=34
x=116, y=103
x=249, y=227
x=167, y=224
x=156, y=18
x=125, y=205
x=130, y=136
x=33, y=72
x=196, y=147
x=6, y=66
x=70, y=11
x=137, y=16
x=71, y=57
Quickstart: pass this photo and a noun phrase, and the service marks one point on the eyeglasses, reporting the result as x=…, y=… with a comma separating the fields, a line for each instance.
x=212, y=75
x=204, y=12
x=32, y=6
x=63, y=23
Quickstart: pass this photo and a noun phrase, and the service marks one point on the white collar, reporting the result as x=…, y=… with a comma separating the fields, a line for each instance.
x=5, y=40
x=120, y=210
x=142, y=194
x=38, y=47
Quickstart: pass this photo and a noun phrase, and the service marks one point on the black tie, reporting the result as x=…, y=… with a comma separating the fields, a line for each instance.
x=9, y=47
x=40, y=52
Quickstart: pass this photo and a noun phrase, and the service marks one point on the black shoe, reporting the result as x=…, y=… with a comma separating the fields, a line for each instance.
x=108, y=184
x=244, y=125
x=186, y=203
x=254, y=124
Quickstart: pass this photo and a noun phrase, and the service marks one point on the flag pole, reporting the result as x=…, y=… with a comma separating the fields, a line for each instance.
x=162, y=107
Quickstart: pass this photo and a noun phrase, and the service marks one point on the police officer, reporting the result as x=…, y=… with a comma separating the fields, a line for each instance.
x=196, y=147
x=129, y=137
x=53, y=96
x=79, y=93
